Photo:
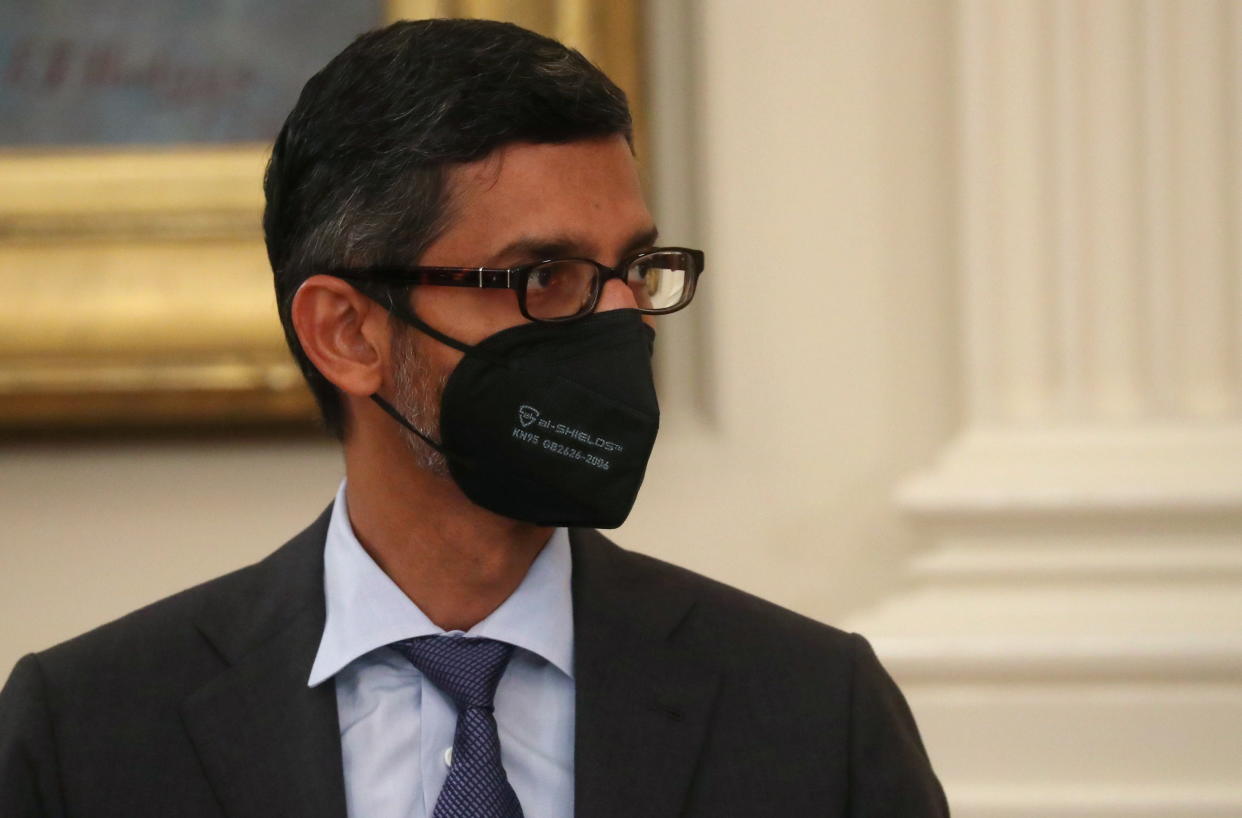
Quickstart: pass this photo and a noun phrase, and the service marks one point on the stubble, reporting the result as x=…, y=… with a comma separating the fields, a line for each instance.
x=418, y=390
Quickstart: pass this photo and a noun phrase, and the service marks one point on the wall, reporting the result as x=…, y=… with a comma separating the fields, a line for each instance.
x=1071, y=636
x=821, y=358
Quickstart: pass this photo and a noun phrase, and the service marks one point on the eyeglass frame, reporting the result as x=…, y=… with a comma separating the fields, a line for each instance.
x=515, y=278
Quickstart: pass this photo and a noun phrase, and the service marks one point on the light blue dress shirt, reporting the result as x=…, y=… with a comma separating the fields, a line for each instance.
x=397, y=728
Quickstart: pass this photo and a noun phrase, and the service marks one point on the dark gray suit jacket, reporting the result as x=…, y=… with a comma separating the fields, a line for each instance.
x=693, y=699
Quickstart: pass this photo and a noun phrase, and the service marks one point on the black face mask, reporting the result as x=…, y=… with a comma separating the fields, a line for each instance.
x=550, y=423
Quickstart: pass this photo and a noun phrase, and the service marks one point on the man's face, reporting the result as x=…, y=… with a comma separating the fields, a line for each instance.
x=522, y=203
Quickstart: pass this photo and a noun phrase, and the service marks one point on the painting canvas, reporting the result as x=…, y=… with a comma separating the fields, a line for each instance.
x=162, y=71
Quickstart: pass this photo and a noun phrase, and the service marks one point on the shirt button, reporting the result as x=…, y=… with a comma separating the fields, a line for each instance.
x=448, y=756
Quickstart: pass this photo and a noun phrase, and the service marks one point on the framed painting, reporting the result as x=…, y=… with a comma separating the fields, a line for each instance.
x=134, y=286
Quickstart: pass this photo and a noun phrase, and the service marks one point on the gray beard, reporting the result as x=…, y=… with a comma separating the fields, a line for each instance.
x=418, y=391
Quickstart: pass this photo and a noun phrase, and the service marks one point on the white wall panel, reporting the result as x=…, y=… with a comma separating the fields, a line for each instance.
x=1078, y=613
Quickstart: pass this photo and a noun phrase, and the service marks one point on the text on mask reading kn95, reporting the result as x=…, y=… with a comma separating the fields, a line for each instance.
x=531, y=422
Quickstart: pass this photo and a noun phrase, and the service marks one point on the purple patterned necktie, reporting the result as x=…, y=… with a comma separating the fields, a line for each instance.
x=468, y=670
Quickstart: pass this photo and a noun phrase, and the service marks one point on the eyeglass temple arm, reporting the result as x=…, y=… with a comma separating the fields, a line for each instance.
x=478, y=277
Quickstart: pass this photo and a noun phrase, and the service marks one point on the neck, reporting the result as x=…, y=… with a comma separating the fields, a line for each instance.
x=456, y=561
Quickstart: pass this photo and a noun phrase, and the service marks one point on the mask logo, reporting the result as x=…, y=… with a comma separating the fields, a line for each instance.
x=527, y=415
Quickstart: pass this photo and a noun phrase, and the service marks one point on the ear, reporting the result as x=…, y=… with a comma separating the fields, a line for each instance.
x=344, y=333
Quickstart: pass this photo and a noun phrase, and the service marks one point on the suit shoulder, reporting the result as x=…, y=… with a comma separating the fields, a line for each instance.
x=155, y=627
x=747, y=619
x=168, y=631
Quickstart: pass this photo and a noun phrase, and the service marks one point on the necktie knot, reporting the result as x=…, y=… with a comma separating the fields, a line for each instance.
x=467, y=670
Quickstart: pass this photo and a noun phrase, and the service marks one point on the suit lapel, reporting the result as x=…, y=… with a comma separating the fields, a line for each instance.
x=643, y=704
x=269, y=744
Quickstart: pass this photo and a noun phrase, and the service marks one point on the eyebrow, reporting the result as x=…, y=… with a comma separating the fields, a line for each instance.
x=544, y=247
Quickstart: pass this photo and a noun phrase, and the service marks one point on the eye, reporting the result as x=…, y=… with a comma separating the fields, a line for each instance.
x=550, y=276
x=536, y=279
x=558, y=289
x=545, y=277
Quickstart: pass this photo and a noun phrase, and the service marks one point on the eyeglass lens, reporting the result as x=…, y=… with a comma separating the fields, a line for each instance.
x=564, y=289
x=559, y=289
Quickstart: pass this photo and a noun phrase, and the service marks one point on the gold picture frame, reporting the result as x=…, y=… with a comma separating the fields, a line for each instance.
x=134, y=286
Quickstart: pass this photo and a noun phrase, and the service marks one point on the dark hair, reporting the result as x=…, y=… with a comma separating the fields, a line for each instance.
x=357, y=174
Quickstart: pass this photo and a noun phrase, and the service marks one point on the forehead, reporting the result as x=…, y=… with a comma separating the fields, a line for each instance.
x=585, y=192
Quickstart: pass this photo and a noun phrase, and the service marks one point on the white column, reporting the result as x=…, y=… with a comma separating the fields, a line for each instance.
x=1072, y=639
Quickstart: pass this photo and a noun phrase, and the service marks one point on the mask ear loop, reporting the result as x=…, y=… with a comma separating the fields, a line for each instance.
x=410, y=318
x=468, y=462
x=400, y=418
x=407, y=315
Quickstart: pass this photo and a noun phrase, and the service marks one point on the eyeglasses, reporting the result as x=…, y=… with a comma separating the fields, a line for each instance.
x=662, y=280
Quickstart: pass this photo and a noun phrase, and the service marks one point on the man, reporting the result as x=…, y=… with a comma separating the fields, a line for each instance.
x=468, y=275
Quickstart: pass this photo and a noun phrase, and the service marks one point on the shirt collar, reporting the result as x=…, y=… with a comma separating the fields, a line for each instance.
x=366, y=610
